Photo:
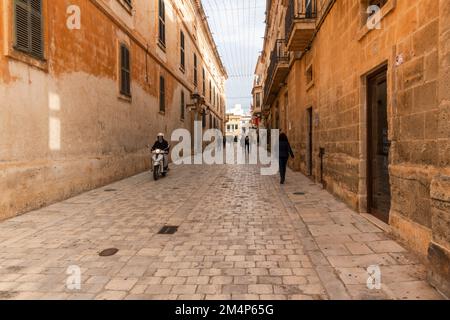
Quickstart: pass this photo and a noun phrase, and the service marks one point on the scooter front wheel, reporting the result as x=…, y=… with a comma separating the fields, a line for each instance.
x=156, y=173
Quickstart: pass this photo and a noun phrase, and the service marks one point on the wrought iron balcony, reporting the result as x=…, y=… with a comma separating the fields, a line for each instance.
x=277, y=71
x=300, y=23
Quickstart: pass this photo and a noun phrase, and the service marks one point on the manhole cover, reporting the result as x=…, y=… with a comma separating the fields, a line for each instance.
x=168, y=230
x=15, y=268
x=110, y=190
x=7, y=295
x=108, y=252
x=299, y=193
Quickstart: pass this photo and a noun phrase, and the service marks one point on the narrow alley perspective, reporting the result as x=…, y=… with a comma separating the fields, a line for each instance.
x=192, y=151
x=240, y=236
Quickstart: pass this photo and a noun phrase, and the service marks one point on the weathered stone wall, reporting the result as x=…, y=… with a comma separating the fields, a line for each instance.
x=414, y=44
x=439, y=249
x=64, y=127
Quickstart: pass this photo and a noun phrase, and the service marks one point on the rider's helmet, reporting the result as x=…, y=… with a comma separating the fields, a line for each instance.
x=160, y=137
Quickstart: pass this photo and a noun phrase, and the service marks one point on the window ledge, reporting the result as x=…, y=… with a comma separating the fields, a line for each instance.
x=124, y=98
x=387, y=8
x=30, y=60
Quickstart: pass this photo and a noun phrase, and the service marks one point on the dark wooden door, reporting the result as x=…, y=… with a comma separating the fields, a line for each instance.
x=310, y=141
x=378, y=146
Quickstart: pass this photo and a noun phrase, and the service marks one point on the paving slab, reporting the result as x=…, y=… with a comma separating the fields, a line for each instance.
x=240, y=236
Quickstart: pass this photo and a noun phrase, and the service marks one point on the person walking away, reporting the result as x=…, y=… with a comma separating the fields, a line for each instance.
x=285, y=152
x=247, y=144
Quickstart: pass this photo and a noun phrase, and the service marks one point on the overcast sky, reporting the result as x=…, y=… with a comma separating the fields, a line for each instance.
x=238, y=29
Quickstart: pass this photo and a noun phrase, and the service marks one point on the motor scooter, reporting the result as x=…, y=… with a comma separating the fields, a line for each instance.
x=158, y=163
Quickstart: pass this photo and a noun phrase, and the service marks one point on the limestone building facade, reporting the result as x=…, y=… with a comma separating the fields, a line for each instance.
x=85, y=86
x=362, y=88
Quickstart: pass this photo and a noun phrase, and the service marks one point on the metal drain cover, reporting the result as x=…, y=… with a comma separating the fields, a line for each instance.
x=108, y=252
x=168, y=230
x=110, y=190
x=299, y=193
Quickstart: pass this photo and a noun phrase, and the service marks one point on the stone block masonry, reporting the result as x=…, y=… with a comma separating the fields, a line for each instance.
x=328, y=98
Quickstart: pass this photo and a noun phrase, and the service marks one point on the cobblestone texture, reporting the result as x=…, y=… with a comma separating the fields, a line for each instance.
x=241, y=236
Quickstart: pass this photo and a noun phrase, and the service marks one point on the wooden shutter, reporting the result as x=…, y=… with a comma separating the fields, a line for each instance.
x=182, y=105
x=182, y=50
x=204, y=82
x=195, y=70
x=125, y=79
x=162, y=94
x=29, y=35
x=162, y=22
x=37, y=46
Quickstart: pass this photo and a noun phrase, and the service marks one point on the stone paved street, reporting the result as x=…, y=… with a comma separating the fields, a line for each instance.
x=240, y=236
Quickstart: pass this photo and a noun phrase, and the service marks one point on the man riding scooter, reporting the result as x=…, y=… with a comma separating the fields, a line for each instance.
x=163, y=145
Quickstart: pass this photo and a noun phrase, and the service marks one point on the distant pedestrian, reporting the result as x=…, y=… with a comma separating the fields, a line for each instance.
x=219, y=142
x=285, y=151
x=247, y=144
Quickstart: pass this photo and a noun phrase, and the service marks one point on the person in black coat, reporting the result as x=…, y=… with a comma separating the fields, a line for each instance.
x=284, y=153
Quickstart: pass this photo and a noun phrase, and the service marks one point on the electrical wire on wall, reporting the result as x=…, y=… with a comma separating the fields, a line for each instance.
x=238, y=30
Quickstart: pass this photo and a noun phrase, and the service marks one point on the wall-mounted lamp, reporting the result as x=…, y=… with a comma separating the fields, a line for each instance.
x=198, y=102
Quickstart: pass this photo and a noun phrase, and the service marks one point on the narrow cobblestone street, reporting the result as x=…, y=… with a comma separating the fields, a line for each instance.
x=240, y=236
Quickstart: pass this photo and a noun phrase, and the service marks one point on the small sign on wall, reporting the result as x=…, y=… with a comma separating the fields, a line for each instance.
x=399, y=60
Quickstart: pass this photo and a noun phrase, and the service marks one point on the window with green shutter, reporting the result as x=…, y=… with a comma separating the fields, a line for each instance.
x=162, y=22
x=182, y=106
x=162, y=94
x=125, y=74
x=204, y=82
x=182, y=51
x=195, y=70
x=28, y=27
